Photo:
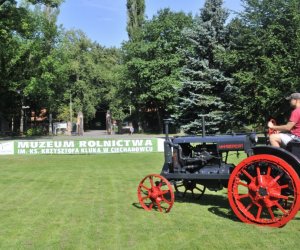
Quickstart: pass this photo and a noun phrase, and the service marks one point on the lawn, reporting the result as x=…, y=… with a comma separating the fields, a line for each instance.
x=90, y=202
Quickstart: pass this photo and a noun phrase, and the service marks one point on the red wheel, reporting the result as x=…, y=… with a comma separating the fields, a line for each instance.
x=155, y=191
x=272, y=131
x=264, y=190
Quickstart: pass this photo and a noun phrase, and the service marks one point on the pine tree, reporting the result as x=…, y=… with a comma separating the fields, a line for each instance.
x=136, y=17
x=204, y=85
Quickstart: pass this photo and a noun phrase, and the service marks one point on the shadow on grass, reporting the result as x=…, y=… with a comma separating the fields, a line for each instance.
x=217, y=204
x=137, y=205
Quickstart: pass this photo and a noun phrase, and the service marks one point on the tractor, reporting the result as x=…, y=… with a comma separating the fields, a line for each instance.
x=263, y=189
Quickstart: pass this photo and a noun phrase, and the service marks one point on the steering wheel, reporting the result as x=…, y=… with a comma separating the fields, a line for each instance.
x=271, y=130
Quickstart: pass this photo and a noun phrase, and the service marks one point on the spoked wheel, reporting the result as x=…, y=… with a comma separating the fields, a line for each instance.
x=155, y=191
x=187, y=188
x=264, y=190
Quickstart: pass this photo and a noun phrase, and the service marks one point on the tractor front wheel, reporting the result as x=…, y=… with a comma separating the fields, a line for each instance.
x=264, y=190
x=155, y=192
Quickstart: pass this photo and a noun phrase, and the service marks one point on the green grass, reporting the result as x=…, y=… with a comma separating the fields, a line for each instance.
x=90, y=202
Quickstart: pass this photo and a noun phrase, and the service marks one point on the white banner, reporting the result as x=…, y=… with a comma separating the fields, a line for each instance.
x=92, y=146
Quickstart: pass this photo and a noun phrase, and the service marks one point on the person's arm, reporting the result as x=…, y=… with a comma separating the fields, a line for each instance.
x=286, y=127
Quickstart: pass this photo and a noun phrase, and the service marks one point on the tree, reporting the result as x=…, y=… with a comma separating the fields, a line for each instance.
x=27, y=38
x=135, y=16
x=78, y=69
x=88, y=75
x=205, y=87
x=152, y=67
x=49, y=3
x=42, y=65
x=264, y=59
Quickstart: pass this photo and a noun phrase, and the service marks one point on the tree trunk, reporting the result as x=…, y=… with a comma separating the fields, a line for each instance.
x=160, y=124
x=22, y=119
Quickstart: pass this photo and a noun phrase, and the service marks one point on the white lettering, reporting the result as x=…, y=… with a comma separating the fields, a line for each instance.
x=137, y=143
x=141, y=150
x=57, y=144
x=69, y=144
x=21, y=151
x=34, y=144
x=91, y=144
x=32, y=151
x=107, y=143
x=23, y=144
x=149, y=149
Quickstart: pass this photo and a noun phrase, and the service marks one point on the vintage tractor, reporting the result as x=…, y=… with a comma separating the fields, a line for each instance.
x=263, y=189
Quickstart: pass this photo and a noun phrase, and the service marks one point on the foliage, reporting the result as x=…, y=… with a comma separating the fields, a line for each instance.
x=42, y=64
x=36, y=131
x=264, y=59
x=205, y=87
x=152, y=66
x=110, y=76
x=235, y=73
x=50, y=3
x=90, y=72
x=63, y=114
x=27, y=39
x=136, y=17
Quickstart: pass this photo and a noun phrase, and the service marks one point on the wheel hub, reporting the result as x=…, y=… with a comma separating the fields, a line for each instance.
x=155, y=192
x=189, y=185
x=262, y=191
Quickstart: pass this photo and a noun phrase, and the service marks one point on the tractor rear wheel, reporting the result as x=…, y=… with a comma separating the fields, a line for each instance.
x=264, y=190
x=155, y=192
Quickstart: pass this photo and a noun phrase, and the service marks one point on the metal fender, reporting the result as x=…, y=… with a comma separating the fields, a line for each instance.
x=280, y=153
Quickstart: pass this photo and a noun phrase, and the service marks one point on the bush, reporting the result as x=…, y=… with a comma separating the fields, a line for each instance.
x=35, y=131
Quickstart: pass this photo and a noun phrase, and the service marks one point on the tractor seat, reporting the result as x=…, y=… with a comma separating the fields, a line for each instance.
x=294, y=147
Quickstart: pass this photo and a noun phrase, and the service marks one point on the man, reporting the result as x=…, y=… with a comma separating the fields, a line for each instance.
x=292, y=127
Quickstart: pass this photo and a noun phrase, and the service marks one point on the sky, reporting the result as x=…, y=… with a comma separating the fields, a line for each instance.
x=104, y=21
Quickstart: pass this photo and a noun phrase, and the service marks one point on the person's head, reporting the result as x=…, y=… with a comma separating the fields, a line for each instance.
x=294, y=100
